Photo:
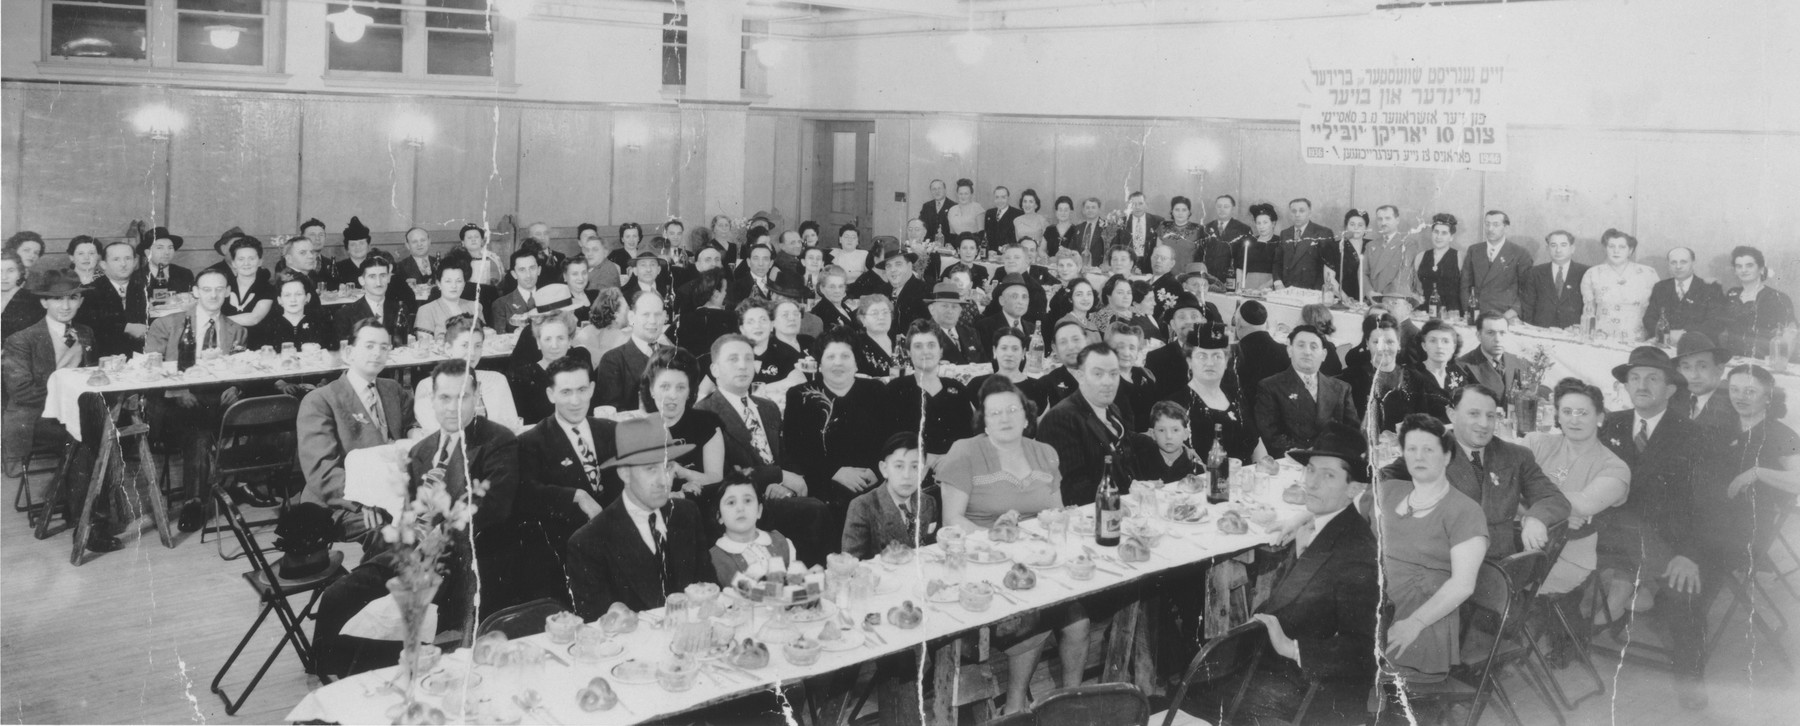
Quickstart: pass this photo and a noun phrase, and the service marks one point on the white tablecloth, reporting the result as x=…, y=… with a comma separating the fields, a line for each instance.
x=63, y=393
x=353, y=700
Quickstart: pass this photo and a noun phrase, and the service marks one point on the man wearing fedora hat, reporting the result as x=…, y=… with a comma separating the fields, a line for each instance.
x=1168, y=364
x=28, y=358
x=645, y=545
x=1652, y=537
x=158, y=246
x=1013, y=261
x=1320, y=614
x=1014, y=294
x=647, y=271
x=960, y=344
x=891, y=274
x=1702, y=365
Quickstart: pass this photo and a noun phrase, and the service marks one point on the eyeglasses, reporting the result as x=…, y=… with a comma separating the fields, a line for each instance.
x=1007, y=411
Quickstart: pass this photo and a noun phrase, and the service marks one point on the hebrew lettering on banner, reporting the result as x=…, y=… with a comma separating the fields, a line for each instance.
x=1418, y=116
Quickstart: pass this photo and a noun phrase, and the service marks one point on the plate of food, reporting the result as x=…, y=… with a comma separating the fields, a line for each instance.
x=1187, y=512
x=941, y=592
x=1039, y=556
x=835, y=639
x=634, y=672
x=811, y=612
x=988, y=556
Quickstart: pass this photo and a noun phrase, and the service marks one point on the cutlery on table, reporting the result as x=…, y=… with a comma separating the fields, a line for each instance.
x=533, y=704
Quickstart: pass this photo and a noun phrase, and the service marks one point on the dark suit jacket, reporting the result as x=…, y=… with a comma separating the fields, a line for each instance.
x=408, y=270
x=833, y=316
x=107, y=314
x=501, y=312
x=609, y=562
x=1657, y=521
x=989, y=327
x=1049, y=389
x=181, y=279
x=1500, y=379
x=1258, y=357
x=1287, y=417
x=30, y=358
x=1513, y=481
x=1034, y=309
x=1082, y=444
x=21, y=312
x=165, y=335
x=344, y=320
x=1122, y=235
x=1718, y=415
x=1301, y=256
x=874, y=520
x=970, y=346
x=1543, y=305
x=1091, y=239
x=936, y=216
x=740, y=450
x=997, y=226
x=333, y=422
x=550, y=472
x=617, y=376
x=492, y=456
x=1326, y=602
x=1495, y=286
x=1699, y=310
x=1227, y=232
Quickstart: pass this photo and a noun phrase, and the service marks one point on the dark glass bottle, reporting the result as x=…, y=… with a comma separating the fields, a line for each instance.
x=1107, y=508
x=1218, y=469
x=186, y=348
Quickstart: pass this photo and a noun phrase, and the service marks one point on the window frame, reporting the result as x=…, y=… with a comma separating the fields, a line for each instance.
x=675, y=22
x=162, y=27
x=414, y=44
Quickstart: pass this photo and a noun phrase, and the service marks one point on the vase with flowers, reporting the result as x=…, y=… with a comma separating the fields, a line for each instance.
x=420, y=537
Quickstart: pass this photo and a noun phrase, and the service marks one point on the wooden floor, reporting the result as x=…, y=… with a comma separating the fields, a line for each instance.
x=135, y=637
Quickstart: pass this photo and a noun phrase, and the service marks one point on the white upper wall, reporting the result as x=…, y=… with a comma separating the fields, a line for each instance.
x=1654, y=64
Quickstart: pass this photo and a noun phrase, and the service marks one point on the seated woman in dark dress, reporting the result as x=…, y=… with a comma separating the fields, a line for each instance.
x=250, y=296
x=775, y=361
x=877, y=355
x=1215, y=412
x=529, y=378
x=1754, y=312
x=939, y=409
x=670, y=382
x=1430, y=382
x=1374, y=373
x=832, y=428
x=832, y=308
x=292, y=324
x=708, y=319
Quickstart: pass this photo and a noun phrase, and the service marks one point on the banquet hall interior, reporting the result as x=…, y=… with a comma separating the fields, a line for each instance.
x=1647, y=141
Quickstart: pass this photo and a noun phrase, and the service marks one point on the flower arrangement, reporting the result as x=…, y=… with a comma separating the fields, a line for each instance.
x=420, y=537
x=1538, y=366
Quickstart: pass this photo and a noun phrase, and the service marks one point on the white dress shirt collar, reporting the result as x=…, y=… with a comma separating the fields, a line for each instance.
x=1318, y=521
x=640, y=517
x=1650, y=423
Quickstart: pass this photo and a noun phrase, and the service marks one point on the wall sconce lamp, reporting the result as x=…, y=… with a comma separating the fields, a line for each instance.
x=158, y=122
x=413, y=130
x=224, y=37
x=348, y=25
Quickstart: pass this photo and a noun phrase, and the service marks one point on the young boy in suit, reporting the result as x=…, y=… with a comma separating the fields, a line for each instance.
x=896, y=511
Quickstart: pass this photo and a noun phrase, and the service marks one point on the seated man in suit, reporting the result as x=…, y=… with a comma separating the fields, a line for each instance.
x=1552, y=294
x=751, y=427
x=1168, y=364
x=642, y=546
x=896, y=511
x=56, y=341
x=1068, y=338
x=1086, y=426
x=959, y=341
x=192, y=415
x=376, y=278
x=1685, y=301
x=358, y=410
x=1293, y=407
x=561, y=483
x=1492, y=365
x=1320, y=615
x=621, y=369
x=1702, y=365
x=1502, y=477
x=1014, y=262
x=159, y=272
x=116, y=307
x=464, y=338
x=1014, y=294
x=1258, y=354
x=510, y=310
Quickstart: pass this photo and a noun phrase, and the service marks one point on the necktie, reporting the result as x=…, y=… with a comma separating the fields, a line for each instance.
x=162, y=276
x=71, y=354
x=210, y=339
x=1137, y=230
x=656, y=536
x=757, y=435
x=1642, y=439
x=588, y=465
x=372, y=400
x=1312, y=386
x=69, y=340
x=1492, y=252
x=1693, y=406
x=444, y=453
x=1559, y=280
x=1114, y=425
x=906, y=514
x=1475, y=458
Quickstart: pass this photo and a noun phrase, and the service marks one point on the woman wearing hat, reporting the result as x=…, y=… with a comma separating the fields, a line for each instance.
x=158, y=247
x=1211, y=407
x=358, y=246
x=1432, y=539
x=1754, y=312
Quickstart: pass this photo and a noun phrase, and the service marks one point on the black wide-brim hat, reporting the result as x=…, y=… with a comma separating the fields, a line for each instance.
x=150, y=238
x=1649, y=356
x=56, y=283
x=1339, y=441
x=644, y=441
x=1697, y=343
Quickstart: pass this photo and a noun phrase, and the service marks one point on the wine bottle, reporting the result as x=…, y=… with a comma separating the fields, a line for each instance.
x=1218, y=469
x=186, y=348
x=1107, y=508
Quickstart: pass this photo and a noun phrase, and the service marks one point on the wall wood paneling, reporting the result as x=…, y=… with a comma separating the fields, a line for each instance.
x=353, y=165
x=1104, y=160
x=86, y=171
x=236, y=164
x=469, y=169
x=565, y=166
x=645, y=180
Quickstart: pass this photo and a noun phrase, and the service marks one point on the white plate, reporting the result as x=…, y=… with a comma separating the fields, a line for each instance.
x=621, y=673
x=989, y=557
x=441, y=682
x=811, y=615
x=607, y=650
x=853, y=638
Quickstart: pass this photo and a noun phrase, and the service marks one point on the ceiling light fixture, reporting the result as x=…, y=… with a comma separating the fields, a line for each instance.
x=348, y=25
x=223, y=37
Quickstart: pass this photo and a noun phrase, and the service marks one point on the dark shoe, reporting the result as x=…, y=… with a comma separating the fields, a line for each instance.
x=193, y=517
x=101, y=542
x=1691, y=692
x=247, y=495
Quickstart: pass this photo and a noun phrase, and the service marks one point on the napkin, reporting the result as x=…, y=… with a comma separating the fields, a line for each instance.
x=377, y=476
x=380, y=620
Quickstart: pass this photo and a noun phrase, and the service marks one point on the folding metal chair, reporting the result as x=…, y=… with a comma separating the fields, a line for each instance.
x=1559, y=536
x=1226, y=664
x=1020, y=718
x=49, y=458
x=1095, y=704
x=256, y=439
x=521, y=620
x=272, y=592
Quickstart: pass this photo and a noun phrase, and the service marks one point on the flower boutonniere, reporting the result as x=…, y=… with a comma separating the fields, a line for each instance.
x=360, y=418
x=1293, y=397
x=566, y=462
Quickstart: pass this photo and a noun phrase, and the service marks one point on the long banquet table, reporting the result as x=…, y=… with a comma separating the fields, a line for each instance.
x=362, y=699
